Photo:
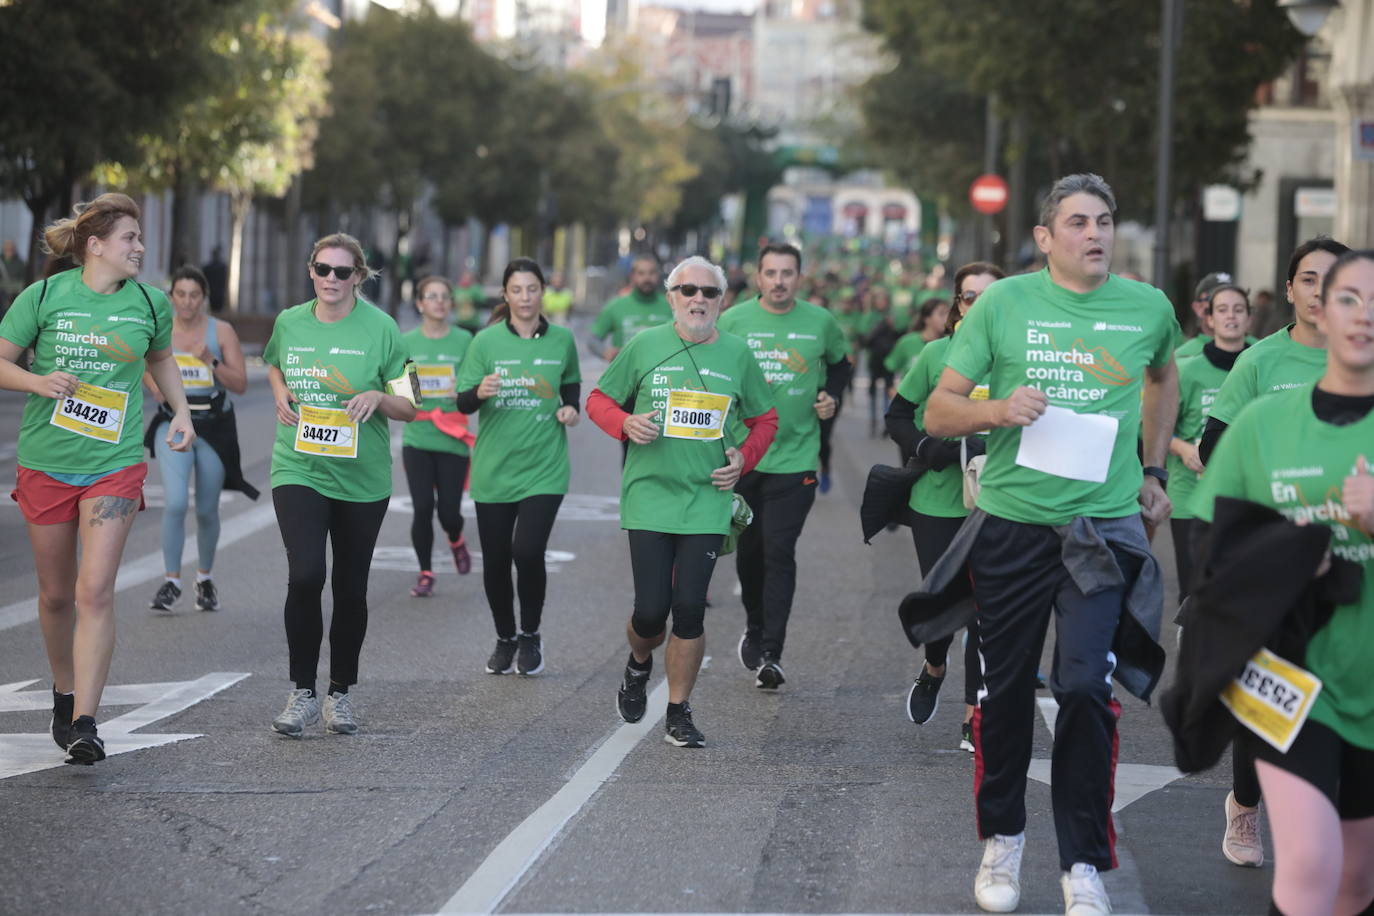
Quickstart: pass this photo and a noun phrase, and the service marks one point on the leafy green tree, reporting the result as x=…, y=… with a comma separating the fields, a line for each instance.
x=82, y=80
x=251, y=133
x=409, y=104
x=1084, y=76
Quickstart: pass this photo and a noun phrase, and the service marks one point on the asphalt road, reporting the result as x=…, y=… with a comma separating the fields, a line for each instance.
x=466, y=792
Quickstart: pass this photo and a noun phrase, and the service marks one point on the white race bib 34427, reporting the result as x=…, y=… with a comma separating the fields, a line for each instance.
x=326, y=431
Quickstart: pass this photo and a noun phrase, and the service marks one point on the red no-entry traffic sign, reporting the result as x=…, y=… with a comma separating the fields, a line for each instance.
x=988, y=193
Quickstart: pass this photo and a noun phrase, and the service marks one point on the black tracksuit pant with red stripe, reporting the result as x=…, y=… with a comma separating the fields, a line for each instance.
x=1018, y=579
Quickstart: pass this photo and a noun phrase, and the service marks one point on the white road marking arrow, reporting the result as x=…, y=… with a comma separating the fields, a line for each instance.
x=29, y=753
x=1133, y=780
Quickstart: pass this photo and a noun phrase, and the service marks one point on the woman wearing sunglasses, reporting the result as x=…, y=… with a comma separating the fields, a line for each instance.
x=436, y=462
x=522, y=378
x=937, y=498
x=673, y=393
x=93, y=330
x=330, y=361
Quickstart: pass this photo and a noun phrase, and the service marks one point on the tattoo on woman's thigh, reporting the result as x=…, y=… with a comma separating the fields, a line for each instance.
x=106, y=508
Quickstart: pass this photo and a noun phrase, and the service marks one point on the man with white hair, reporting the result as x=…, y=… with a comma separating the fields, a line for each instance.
x=669, y=394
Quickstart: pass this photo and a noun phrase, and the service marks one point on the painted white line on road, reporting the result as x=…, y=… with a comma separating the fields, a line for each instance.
x=31, y=753
x=499, y=873
x=148, y=567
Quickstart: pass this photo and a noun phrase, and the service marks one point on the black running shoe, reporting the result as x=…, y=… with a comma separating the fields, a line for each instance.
x=924, y=697
x=750, y=653
x=86, y=747
x=681, y=731
x=207, y=598
x=61, y=730
x=165, y=598
x=632, y=697
x=502, y=659
x=966, y=737
x=529, y=654
x=769, y=675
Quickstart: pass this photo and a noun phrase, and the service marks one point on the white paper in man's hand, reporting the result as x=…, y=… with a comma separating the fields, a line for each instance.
x=1067, y=444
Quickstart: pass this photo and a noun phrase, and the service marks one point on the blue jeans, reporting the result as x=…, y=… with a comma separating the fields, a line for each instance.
x=176, y=484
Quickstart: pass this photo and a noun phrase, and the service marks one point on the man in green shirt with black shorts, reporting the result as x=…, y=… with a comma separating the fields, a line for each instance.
x=1067, y=354
x=804, y=355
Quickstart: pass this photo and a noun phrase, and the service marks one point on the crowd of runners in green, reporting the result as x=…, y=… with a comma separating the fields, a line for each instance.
x=1047, y=425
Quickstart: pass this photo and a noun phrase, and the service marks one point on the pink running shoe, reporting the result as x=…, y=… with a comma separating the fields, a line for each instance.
x=424, y=586
x=461, y=558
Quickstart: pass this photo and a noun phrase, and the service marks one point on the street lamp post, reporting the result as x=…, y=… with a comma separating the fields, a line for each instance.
x=1170, y=29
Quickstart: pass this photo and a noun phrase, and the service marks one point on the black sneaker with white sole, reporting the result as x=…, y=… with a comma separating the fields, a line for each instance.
x=502, y=659
x=966, y=737
x=750, y=652
x=633, y=696
x=924, y=697
x=681, y=731
x=166, y=597
x=62, y=707
x=529, y=654
x=769, y=676
x=207, y=597
x=86, y=747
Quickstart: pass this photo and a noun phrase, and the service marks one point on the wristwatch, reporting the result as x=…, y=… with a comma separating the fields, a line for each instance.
x=1157, y=473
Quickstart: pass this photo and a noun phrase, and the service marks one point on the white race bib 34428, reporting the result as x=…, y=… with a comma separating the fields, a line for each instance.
x=94, y=412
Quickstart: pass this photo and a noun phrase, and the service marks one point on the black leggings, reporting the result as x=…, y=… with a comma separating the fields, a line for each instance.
x=671, y=573
x=1185, y=547
x=306, y=518
x=932, y=535
x=767, y=559
x=516, y=533
x=427, y=473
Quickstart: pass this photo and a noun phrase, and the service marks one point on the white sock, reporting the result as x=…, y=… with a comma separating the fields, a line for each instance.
x=175, y=580
x=202, y=577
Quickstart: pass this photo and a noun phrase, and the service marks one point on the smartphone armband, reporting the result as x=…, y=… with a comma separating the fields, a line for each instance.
x=407, y=384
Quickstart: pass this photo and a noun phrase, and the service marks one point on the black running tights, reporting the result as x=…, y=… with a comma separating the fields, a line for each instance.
x=932, y=535
x=516, y=533
x=429, y=473
x=306, y=518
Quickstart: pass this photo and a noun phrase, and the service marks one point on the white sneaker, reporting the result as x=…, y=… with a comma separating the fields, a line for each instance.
x=1242, y=844
x=1084, y=894
x=302, y=709
x=998, y=885
x=338, y=714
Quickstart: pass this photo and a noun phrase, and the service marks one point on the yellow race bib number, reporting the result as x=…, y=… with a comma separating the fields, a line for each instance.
x=1272, y=697
x=327, y=432
x=195, y=374
x=93, y=412
x=696, y=414
x=437, y=381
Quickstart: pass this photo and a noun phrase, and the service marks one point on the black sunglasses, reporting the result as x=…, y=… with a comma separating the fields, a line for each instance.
x=322, y=270
x=691, y=289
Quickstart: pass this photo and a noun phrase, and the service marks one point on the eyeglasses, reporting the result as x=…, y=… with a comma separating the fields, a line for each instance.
x=969, y=296
x=430, y=297
x=323, y=270
x=691, y=289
